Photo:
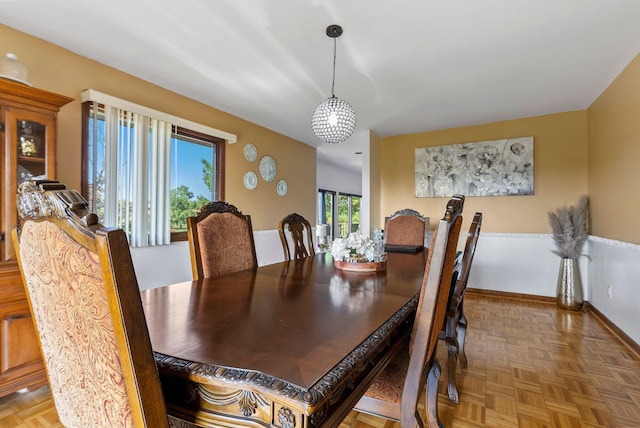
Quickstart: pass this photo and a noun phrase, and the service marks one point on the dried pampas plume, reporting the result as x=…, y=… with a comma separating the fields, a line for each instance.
x=569, y=228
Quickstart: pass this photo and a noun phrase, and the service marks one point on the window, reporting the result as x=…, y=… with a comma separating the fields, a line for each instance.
x=146, y=175
x=348, y=214
x=196, y=176
x=347, y=211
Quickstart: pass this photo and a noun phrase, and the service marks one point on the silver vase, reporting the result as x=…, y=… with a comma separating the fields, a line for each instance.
x=569, y=290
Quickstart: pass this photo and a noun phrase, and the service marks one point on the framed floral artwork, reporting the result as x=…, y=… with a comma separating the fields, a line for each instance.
x=483, y=168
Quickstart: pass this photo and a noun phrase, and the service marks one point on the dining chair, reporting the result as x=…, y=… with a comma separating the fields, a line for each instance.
x=395, y=393
x=454, y=329
x=405, y=228
x=220, y=241
x=85, y=301
x=298, y=228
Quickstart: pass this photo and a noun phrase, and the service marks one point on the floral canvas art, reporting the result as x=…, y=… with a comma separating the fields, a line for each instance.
x=484, y=168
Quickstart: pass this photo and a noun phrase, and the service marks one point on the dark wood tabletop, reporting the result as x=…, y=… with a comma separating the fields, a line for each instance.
x=294, y=321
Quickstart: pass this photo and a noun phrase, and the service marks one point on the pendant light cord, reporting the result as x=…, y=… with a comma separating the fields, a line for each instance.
x=333, y=81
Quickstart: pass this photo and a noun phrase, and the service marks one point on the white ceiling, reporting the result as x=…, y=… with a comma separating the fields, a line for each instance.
x=405, y=66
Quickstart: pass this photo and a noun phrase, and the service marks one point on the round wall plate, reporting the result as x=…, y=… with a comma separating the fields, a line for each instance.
x=267, y=168
x=250, y=180
x=282, y=187
x=250, y=152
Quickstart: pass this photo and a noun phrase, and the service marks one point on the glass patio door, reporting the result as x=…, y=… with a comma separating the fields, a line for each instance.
x=348, y=214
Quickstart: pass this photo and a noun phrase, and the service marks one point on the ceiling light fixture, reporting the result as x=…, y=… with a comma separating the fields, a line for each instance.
x=334, y=120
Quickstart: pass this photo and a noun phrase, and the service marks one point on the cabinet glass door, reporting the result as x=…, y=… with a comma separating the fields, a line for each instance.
x=28, y=138
x=31, y=151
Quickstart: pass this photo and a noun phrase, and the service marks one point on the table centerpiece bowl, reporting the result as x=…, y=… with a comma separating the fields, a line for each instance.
x=358, y=253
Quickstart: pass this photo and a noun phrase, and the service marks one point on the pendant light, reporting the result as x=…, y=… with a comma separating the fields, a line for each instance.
x=334, y=120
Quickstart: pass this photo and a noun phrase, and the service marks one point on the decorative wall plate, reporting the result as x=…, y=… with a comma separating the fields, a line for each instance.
x=282, y=187
x=267, y=168
x=250, y=152
x=250, y=180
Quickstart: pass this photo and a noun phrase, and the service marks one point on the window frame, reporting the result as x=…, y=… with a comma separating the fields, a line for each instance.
x=217, y=142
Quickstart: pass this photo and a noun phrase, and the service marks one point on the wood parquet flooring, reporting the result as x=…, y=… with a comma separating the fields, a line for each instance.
x=531, y=365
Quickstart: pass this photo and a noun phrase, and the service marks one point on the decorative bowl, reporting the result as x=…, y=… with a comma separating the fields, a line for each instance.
x=360, y=266
x=12, y=69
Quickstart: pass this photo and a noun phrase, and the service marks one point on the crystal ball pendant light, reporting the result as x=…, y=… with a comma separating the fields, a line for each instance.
x=334, y=120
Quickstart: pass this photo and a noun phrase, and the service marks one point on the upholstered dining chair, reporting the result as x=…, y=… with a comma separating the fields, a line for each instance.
x=395, y=393
x=405, y=228
x=454, y=329
x=84, y=297
x=298, y=228
x=220, y=241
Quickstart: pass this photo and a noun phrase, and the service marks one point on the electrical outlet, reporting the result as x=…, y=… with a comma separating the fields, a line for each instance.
x=609, y=290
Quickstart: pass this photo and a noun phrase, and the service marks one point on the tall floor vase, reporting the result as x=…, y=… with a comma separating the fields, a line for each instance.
x=569, y=290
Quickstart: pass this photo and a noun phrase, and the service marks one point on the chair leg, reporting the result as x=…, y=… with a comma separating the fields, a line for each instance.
x=431, y=397
x=452, y=359
x=462, y=334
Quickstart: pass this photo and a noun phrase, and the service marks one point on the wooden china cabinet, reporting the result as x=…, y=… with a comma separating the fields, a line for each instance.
x=27, y=150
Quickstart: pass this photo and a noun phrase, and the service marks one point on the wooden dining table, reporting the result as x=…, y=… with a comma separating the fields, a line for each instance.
x=292, y=344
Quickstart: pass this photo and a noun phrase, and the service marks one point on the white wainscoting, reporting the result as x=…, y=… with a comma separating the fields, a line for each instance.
x=518, y=263
x=268, y=247
x=162, y=265
x=168, y=264
x=616, y=264
x=515, y=263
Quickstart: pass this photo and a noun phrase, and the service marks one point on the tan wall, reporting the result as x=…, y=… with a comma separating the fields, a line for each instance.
x=614, y=155
x=58, y=70
x=376, y=186
x=560, y=171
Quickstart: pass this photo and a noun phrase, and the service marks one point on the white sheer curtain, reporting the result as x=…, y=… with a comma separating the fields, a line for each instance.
x=160, y=156
x=129, y=165
x=136, y=176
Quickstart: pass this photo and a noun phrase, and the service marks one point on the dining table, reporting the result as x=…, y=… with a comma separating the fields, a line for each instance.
x=292, y=344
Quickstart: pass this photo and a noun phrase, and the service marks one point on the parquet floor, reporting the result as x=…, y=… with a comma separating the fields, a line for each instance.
x=530, y=365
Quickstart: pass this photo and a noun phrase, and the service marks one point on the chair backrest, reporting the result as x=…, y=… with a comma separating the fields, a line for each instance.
x=298, y=228
x=432, y=308
x=84, y=297
x=405, y=227
x=220, y=241
x=460, y=284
